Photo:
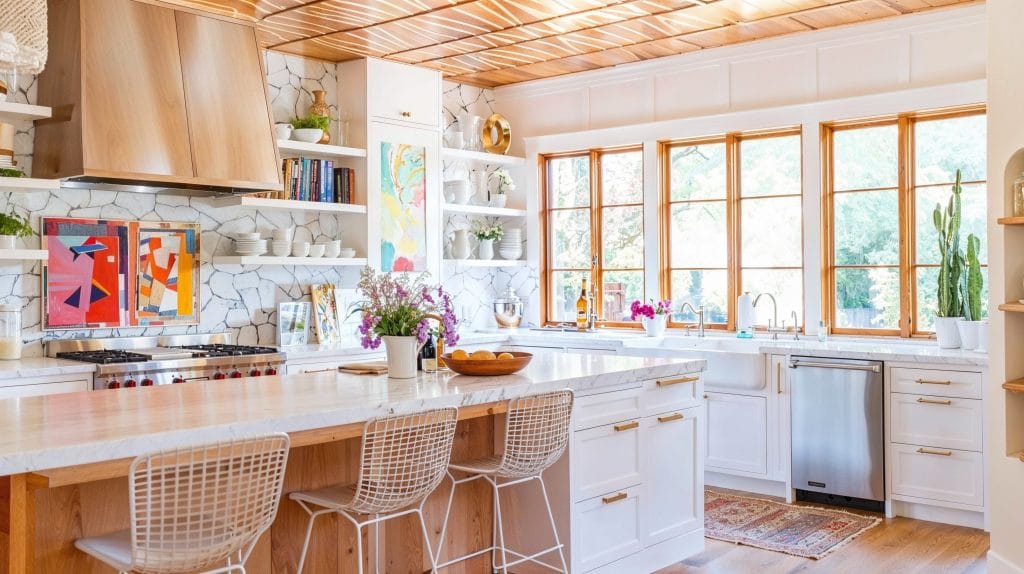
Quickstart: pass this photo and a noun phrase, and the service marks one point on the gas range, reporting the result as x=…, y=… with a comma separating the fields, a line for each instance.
x=126, y=362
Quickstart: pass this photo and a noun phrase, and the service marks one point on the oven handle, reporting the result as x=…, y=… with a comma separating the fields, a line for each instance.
x=190, y=379
x=794, y=363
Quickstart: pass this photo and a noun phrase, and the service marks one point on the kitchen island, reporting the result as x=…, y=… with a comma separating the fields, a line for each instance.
x=64, y=460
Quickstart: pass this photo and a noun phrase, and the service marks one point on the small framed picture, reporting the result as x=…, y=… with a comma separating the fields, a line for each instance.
x=325, y=313
x=293, y=323
x=349, y=318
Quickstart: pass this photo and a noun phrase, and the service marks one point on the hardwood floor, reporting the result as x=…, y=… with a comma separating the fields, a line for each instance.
x=902, y=545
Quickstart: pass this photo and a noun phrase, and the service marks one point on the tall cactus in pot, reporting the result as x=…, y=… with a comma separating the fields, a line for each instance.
x=974, y=280
x=951, y=265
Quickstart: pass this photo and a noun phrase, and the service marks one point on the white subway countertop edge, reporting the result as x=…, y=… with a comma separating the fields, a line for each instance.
x=15, y=372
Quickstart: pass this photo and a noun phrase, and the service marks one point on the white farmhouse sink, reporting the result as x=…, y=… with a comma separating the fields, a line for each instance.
x=735, y=364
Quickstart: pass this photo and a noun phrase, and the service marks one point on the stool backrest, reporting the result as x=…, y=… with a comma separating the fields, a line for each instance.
x=403, y=459
x=536, y=433
x=193, y=508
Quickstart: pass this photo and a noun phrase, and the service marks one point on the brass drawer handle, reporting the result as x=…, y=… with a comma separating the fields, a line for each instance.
x=680, y=380
x=406, y=114
x=778, y=378
x=670, y=418
x=936, y=452
x=934, y=401
x=626, y=426
x=614, y=498
x=318, y=371
x=927, y=382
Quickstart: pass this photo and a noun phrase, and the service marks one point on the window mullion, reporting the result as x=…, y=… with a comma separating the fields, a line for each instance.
x=596, y=245
x=733, y=226
x=905, y=163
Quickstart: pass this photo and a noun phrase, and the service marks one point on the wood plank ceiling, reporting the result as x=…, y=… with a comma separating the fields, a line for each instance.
x=496, y=42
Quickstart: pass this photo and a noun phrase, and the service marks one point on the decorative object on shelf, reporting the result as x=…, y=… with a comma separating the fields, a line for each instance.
x=950, y=305
x=396, y=309
x=309, y=129
x=317, y=250
x=283, y=131
x=347, y=301
x=455, y=139
x=973, y=282
x=11, y=172
x=250, y=244
x=283, y=233
x=10, y=332
x=3, y=91
x=325, y=312
x=166, y=273
x=458, y=191
x=653, y=316
x=23, y=44
x=1018, y=196
x=487, y=233
x=300, y=249
x=508, y=310
x=280, y=247
x=505, y=185
x=13, y=226
x=292, y=323
x=469, y=125
x=496, y=135
x=511, y=245
x=317, y=181
x=320, y=108
x=403, y=227
x=460, y=244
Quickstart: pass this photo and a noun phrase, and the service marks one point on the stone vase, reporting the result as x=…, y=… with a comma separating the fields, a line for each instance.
x=319, y=107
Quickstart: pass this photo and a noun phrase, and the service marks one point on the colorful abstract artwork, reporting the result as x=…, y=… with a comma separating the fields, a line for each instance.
x=403, y=191
x=86, y=279
x=325, y=311
x=166, y=273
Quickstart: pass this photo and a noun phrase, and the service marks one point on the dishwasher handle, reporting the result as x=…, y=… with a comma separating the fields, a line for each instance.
x=795, y=363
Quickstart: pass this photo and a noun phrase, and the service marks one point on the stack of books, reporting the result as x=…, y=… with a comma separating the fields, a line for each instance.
x=307, y=179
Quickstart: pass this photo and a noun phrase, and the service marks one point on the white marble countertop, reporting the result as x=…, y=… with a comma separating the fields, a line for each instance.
x=16, y=372
x=37, y=433
x=878, y=351
x=354, y=349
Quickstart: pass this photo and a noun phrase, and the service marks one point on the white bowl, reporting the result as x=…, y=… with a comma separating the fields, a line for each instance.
x=281, y=248
x=347, y=253
x=283, y=234
x=317, y=250
x=300, y=249
x=248, y=236
x=332, y=250
x=308, y=135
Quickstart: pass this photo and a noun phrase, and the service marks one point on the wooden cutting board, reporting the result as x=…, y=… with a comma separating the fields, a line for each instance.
x=371, y=368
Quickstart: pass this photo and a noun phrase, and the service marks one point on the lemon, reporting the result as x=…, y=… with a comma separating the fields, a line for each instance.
x=482, y=355
x=506, y=356
x=460, y=355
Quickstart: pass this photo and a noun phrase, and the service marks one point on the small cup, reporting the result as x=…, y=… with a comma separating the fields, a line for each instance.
x=283, y=131
x=283, y=234
x=317, y=250
x=300, y=249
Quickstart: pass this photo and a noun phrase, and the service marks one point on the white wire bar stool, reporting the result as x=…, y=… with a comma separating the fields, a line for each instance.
x=197, y=509
x=403, y=458
x=536, y=434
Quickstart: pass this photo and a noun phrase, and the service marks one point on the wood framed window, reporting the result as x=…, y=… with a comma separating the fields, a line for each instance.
x=881, y=181
x=593, y=227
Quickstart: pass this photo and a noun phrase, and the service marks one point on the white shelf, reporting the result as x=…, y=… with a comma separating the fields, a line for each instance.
x=288, y=204
x=28, y=184
x=486, y=262
x=24, y=254
x=297, y=261
x=484, y=210
x=318, y=150
x=13, y=111
x=449, y=153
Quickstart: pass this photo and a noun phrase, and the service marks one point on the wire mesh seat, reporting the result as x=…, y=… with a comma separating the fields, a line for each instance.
x=201, y=508
x=402, y=460
x=536, y=435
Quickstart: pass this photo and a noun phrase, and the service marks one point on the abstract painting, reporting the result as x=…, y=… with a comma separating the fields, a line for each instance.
x=166, y=273
x=325, y=311
x=403, y=194
x=86, y=279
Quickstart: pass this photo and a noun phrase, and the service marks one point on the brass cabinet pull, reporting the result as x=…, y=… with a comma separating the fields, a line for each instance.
x=680, y=380
x=318, y=371
x=670, y=418
x=626, y=426
x=923, y=450
x=705, y=396
x=614, y=498
x=934, y=401
x=927, y=382
x=778, y=378
x=406, y=114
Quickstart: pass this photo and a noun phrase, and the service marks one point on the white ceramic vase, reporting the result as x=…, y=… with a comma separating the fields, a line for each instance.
x=969, y=333
x=486, y=249
x=401, y=353
x=8, y=241
x=499, y=200
x=460, y=244
x=947, y=333
x=655, y=327
x=982, y=336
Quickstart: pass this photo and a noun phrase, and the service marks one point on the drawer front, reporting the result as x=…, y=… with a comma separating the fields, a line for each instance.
x=607, y=458
x=604, y=408
x=305, y=368
x=670, y=394
x=963, y=384
x=45, y=389
x=936, y=421
x=404, y=93
x=938, y=474
x=608, y=528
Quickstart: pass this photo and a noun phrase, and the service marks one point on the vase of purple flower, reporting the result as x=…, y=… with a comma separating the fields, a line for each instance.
x=396, y=310
x=653, y=316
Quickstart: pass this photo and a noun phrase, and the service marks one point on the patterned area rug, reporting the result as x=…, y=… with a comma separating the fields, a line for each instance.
x=808, y=531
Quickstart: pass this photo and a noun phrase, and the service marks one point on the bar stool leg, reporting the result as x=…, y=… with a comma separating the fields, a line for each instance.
x=447, y=514
x=309, y=533
x=501, y=528
x=554, y=528
x=426, y=538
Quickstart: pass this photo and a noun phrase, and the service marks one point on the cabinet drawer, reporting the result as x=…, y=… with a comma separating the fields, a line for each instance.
x=938, y=474
x=964, y=384
x=403, y=93
x=608, y=528
x=936, y=421
x=45, y=389
x=607, y=458
x=670, y=394
x=604, y=408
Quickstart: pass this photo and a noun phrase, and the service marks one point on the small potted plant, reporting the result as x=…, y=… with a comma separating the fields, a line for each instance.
x=654, y=316
x=310, y=129
x=13, y=226
x=487, y=233
x=505, y=185
x=970, y=326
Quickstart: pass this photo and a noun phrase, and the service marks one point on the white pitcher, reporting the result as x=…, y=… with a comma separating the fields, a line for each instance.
x=460, y=244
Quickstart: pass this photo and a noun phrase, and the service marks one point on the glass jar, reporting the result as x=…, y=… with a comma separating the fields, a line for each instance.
x=1018, y=196
x=10, y=332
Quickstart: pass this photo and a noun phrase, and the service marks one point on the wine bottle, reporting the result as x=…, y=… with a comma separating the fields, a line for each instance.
x=428, y=356
x=582, y=308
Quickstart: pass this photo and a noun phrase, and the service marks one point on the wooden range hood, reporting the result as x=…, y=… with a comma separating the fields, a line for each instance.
x=144, y=94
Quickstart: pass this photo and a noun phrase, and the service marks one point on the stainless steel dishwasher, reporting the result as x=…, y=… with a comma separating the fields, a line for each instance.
x=837, y=431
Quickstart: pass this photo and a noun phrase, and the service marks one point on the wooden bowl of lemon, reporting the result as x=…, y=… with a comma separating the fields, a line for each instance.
x=484, y=363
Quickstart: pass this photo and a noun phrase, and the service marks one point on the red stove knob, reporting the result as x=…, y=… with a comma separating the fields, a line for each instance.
x=219, y=376
x=236, y=374
x=177, y=379
x=255, y=372
x=113, y=384
x=147, y=382
x=130, y=383
x=270, y=371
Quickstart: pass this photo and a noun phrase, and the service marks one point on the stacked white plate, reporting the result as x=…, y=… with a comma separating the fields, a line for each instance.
x=511, y=245
x=250, y=246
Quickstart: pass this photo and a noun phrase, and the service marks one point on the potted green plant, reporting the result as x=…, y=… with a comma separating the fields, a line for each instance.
x=970, y=326
x=951, y=264
x=12, y=226
x=310, y=128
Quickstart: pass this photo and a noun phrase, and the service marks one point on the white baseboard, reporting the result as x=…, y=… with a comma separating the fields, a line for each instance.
x=941, y=514
x=754, y=485
x=658, y=556
x=997, y=565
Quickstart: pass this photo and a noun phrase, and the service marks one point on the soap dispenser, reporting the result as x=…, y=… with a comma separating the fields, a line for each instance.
x=745, y=316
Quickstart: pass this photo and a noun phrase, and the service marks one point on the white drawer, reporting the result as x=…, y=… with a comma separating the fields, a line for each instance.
x=608, y=528
x=35, y=390
x=965, y=384
x=936, y=421
x=670, y=394
x=938, y=474
x=604, y=408
x=607, y=458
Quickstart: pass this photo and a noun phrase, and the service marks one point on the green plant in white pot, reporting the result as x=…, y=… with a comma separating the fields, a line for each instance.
x=970, y=326
x=13, y=226
x=951, y=265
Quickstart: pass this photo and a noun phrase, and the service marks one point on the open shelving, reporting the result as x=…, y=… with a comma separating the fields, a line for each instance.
x=24, y=254
x=288, y=204
x=1012, y=307
x=296, y=261
x=13, y=111
x=318, y=150
x=484, y=210
x=486, y=262
x=449, y=153
x=1011, y=220
x=28, y=184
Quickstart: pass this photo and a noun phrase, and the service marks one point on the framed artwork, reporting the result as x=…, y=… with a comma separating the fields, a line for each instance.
x=88, y=276
x=325, y=311
x=292, y=323
x=166, y=273
x=348, y=322
x=403, y=197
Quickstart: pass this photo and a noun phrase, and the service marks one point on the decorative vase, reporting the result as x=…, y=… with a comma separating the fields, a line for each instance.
x=969, y=334
x=8, y=242
x=401, y=353
x=460, y=244
x=486, y=249
x=655, y=327
x=947, y=333
x=498, y=200
x=319, y=107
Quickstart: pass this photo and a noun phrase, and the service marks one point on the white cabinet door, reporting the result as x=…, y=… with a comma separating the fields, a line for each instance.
x=780, y=445
x=35, y=390
x=673, y=502
x=400, y=92
x=607, y=528
x=736, y=433
x=607, y=458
